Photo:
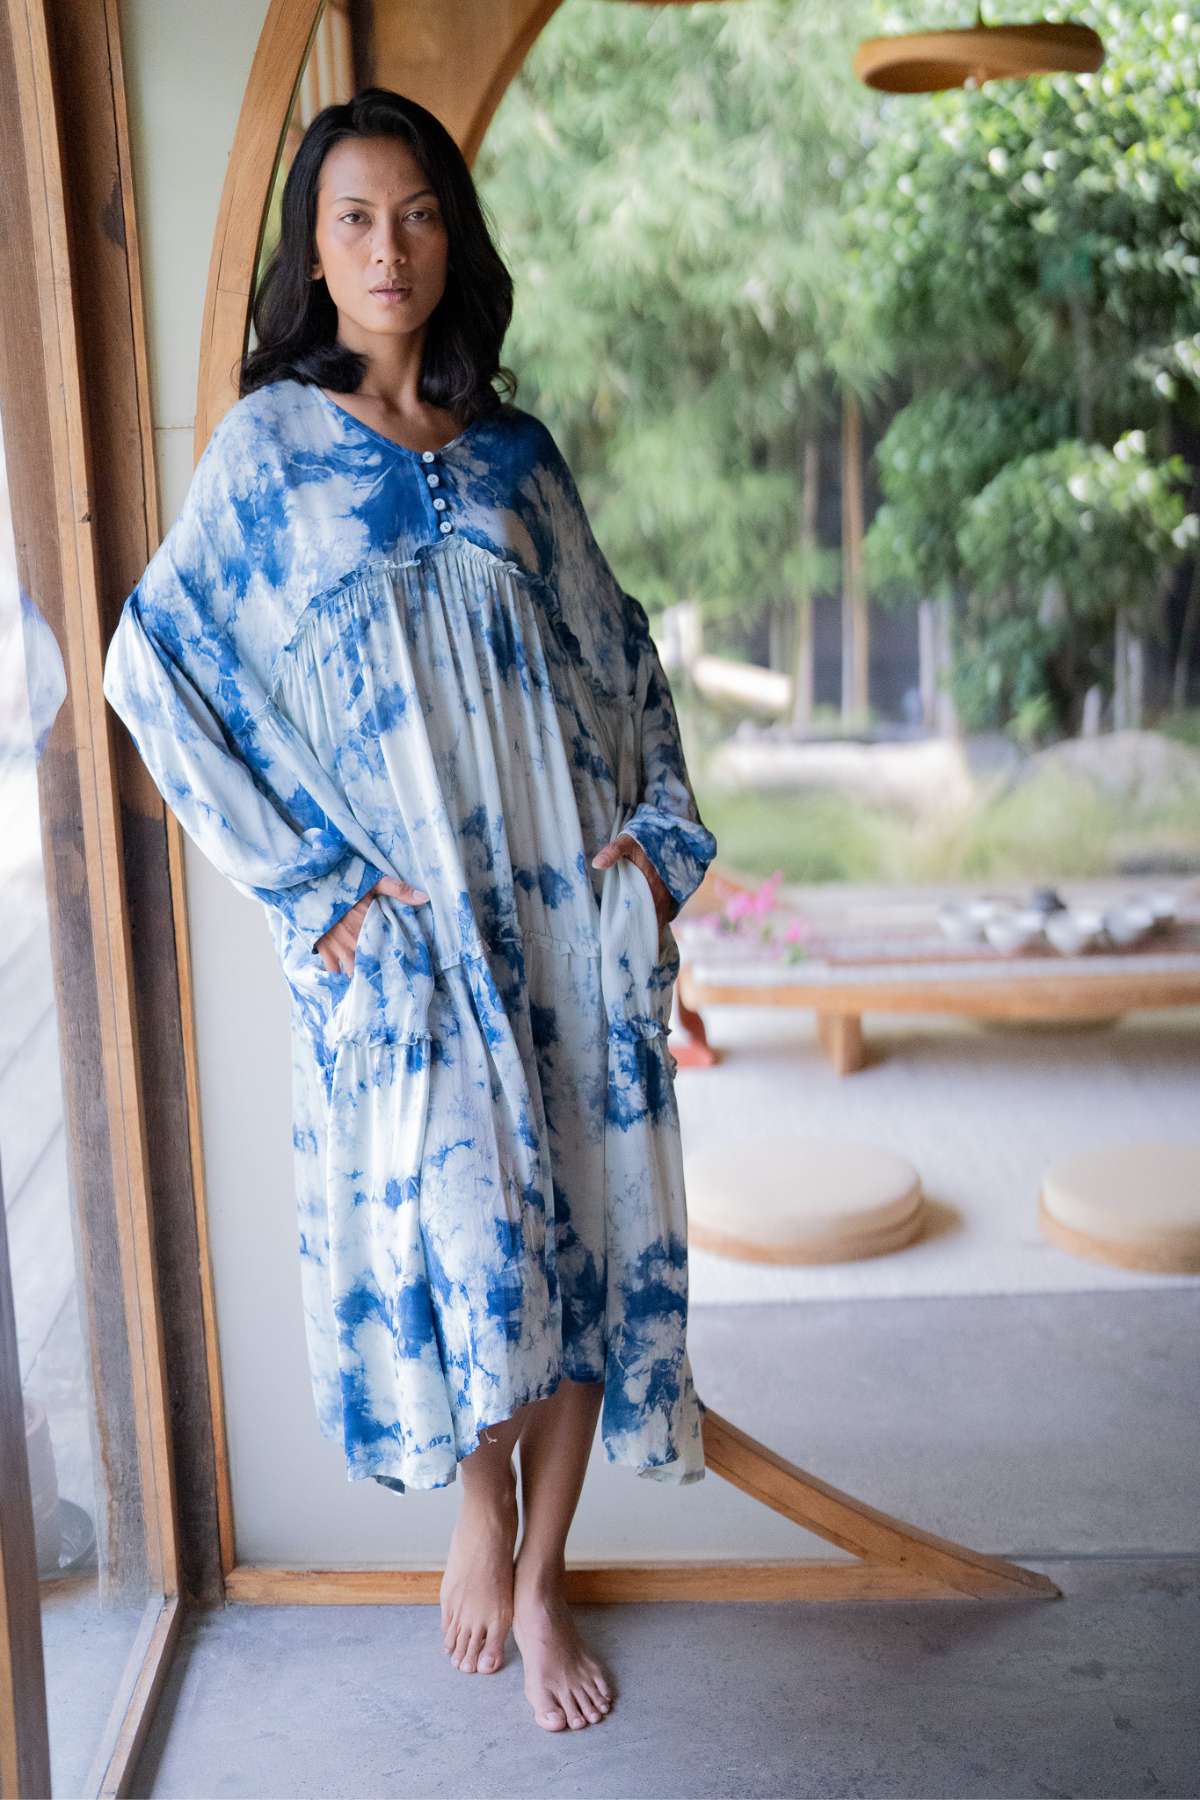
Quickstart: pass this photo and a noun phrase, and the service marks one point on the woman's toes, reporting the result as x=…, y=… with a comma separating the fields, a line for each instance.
x=552, y=1717
x=470, y=1660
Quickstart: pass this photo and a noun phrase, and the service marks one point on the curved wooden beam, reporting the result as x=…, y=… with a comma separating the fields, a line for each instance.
x=934, y=1564
x=459, y=63
x=275, y=75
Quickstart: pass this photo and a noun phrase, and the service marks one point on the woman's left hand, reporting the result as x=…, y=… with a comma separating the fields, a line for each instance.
x=624, y=845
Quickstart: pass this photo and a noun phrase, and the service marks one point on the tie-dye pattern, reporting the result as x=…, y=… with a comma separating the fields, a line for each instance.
x=349, y=659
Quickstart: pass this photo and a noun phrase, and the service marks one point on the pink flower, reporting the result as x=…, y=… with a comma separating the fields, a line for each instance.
x=764, y=897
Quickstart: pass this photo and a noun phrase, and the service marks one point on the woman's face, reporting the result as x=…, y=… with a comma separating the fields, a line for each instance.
x=379, y=226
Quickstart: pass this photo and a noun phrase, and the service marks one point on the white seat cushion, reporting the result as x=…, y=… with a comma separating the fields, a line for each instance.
x=794, y=1199
x=1141, y=1197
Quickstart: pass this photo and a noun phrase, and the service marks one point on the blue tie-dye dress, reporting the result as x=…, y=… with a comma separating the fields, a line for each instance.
x=349, y=659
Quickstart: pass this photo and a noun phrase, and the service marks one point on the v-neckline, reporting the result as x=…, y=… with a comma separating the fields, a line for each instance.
x=383, y=438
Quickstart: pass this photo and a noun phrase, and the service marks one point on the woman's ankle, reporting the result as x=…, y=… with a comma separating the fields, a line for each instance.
x=538, y=1571
x=492, y=1499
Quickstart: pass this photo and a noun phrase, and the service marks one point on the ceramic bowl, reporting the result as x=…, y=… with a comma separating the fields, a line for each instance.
x=1072, y=931
x=1006, y=931
x=1128, y=924
x=986, y=907
x=1163, y=906
x=957, y=924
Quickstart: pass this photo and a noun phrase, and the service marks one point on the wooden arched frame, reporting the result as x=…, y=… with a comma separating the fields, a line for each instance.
x=458, y=61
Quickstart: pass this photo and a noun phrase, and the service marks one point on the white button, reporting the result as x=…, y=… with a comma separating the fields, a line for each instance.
x=446, y=525
x=427, y=455
x=433, y=479
x=440, y=504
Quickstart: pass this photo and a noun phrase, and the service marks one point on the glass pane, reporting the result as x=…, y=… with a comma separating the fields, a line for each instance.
x=91, y=1547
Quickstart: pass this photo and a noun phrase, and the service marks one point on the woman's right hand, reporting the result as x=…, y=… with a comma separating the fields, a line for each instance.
x=336, y=948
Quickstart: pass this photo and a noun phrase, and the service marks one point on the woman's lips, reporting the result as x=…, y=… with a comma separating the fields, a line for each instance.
x=392, y=294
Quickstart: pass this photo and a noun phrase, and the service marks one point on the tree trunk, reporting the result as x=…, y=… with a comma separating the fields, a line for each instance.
x=1137, y=680
x=1187, y=640
x=927, y=664
x=855, y=631
x=802, y=657
x=1119, y=702
x=1128, y=677
x=776, y=637
x=1081, y=333
x=946, y=713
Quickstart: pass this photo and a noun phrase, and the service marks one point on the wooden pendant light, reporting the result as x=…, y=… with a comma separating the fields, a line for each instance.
x=922, y=62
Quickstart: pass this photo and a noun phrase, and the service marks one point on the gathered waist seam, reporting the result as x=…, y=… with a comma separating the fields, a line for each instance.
x=590, y=948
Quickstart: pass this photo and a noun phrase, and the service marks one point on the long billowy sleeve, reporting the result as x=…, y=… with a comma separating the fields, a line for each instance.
x=196, y=709
x=612, y=633
x=667, y=822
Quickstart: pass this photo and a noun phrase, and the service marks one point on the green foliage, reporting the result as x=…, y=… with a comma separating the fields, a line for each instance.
x=811, y=837
x=1104, y=526
x=936, y=454
x=715, y=230
x=1045, y=829
x=1089, y=534
x=1183, y=725
x=1045, y=230
x=1007, y=669
x=667, y=189
x=1032, y=256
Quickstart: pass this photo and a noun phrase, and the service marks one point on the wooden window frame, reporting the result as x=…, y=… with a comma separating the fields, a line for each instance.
x=79, y=452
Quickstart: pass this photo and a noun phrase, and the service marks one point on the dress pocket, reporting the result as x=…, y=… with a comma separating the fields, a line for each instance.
x=638, y=962
x=381, y=1054
x=390, y=987
x=636, y=978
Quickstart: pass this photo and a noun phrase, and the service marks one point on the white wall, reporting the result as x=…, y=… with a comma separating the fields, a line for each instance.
x=186, y=69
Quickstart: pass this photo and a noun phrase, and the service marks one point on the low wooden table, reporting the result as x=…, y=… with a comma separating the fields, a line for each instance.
x=895, y=959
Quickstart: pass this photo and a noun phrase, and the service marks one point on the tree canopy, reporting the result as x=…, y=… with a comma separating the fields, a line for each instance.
x=716, y=232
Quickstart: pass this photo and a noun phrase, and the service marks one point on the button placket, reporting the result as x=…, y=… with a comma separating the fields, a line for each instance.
x=434, y=480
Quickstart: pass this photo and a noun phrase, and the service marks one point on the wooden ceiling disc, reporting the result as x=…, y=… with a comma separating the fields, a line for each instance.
x=922, y=62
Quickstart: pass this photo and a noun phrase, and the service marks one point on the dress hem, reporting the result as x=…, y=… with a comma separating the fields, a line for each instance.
x=664, y=1472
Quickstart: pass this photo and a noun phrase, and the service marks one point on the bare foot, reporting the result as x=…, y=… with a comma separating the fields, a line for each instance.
x=477, y=1586
x=564, y=1684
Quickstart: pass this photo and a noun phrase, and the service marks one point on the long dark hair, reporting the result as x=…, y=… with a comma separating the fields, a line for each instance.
x=295, y=318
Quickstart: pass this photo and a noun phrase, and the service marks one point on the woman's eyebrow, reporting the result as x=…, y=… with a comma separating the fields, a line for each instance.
x=358, y=199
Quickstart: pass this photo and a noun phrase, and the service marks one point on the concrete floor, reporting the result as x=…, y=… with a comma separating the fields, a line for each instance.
x=1060, y=1429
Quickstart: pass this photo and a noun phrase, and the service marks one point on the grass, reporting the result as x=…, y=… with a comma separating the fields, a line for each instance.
x=1048, y=828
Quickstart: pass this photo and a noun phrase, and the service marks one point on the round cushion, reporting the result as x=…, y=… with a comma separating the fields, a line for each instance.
x=789, y=1199
x=1135, y=1205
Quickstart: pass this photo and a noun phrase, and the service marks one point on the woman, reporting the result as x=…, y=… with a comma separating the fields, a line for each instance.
x=380, y=648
